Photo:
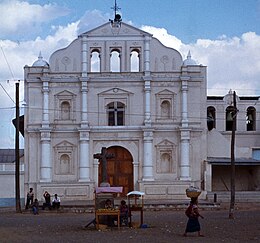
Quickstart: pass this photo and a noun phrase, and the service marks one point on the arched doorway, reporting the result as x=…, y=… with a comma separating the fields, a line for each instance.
x=119, y=169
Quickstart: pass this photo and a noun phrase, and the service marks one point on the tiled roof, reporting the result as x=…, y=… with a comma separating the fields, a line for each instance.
x=8, y=155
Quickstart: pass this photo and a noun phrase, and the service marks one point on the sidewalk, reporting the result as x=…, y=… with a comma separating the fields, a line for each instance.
x=87, y=206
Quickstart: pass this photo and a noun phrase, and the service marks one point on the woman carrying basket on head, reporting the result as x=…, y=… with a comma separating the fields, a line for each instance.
x=193, y=214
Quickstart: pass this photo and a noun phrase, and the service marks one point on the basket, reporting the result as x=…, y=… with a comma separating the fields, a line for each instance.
x=135, y=225
x=193, y=192
x=102, y=227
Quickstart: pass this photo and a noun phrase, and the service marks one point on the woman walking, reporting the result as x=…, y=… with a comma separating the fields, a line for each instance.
x=193, y=214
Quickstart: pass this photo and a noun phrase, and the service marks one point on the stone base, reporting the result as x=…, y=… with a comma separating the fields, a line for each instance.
x=73, y=192
x=175, y=190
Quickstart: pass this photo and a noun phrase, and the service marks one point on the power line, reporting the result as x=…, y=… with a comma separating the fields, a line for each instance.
x=9, y=67
x=7, y=93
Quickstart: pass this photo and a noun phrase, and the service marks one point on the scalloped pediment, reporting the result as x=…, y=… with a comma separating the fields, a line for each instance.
x=108, y=30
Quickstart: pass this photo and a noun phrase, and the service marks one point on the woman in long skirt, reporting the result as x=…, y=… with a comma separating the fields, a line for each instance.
x=193, y=214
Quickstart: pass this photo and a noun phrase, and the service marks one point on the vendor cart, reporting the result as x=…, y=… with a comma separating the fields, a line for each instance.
x=102, y=212
x=135, y=203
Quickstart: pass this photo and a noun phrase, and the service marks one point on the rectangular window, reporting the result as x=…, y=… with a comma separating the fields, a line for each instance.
x=256, y=154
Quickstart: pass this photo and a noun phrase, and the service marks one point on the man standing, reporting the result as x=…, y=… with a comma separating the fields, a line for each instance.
x=29, y=200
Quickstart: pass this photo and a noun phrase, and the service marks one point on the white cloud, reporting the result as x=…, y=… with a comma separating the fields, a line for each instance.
x=91, y=20
x=163, y=36
x=233, y=63
x=20, y=17
x=13, y=57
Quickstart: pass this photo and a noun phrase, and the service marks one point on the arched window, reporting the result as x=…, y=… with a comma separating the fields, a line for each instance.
x=165, y=163
x=135, y=62
x=95, y=61
x=64, y=164
x=116, y=113
x=166, y=109
x=65, y=110
x=115, y=61
x=250, y=119
x=211, y=117
x=230, y=117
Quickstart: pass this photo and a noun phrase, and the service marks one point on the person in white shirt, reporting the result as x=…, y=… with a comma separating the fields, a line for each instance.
x=56, y=202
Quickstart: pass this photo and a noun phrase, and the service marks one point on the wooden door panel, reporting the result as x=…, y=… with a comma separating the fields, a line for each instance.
x=119, y=169
x=110, y=167
x=125, y=167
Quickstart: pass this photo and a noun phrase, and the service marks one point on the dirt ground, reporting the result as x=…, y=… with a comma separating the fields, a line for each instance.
x=162, y=227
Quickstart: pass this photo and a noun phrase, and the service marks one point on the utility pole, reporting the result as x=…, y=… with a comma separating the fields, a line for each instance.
x=233, y=168
x=17, y=152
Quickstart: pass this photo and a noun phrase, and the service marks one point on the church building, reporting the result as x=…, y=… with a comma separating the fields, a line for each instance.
x=117, y=90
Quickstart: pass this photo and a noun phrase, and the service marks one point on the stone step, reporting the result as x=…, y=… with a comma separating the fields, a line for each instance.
x=224, y=196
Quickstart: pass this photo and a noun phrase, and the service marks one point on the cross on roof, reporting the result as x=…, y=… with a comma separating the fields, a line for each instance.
x=115, y=7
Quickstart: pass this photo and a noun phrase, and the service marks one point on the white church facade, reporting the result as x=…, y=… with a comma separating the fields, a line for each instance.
x=118, y=87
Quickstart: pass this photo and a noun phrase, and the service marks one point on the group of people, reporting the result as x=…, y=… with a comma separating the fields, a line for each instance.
x=192, y=212
x=123, y=213
x=34, y=203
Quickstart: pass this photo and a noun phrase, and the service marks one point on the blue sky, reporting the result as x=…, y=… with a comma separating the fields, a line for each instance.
x=188, y=20
x=223, y=35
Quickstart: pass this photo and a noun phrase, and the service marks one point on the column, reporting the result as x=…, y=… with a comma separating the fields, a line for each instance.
x=148, y=158
x=147, y=55
x=136, y=174
x=45, y=91
x=45, y=165
x=84, y=57
x=84, y=165
x=84, y=102
x=147, y=90
x=95, y=172
x=185, y=154
x=184, y=90
x=185, y=132
x=147, y=80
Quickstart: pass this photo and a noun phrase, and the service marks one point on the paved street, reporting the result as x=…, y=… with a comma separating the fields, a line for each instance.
x=163, y=226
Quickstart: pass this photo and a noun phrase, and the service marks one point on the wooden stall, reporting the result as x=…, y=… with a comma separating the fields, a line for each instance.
x=104, y=211
x=135, y=204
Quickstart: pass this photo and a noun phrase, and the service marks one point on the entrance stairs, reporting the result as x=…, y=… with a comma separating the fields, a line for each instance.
x=240, y=196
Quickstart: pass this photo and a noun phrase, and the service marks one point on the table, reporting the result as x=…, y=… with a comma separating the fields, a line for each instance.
x=101, y=212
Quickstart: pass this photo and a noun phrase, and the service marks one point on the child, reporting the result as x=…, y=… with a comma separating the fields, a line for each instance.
x=35, y=207
x=109, y=218
x=123, y=213
x=193, y=214
x=108, y=204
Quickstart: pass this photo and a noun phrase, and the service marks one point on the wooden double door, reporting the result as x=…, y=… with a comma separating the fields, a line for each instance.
x=119, y=169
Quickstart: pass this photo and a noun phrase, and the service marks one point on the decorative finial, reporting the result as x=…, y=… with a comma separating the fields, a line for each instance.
x=40, y=56
x=189, y=55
